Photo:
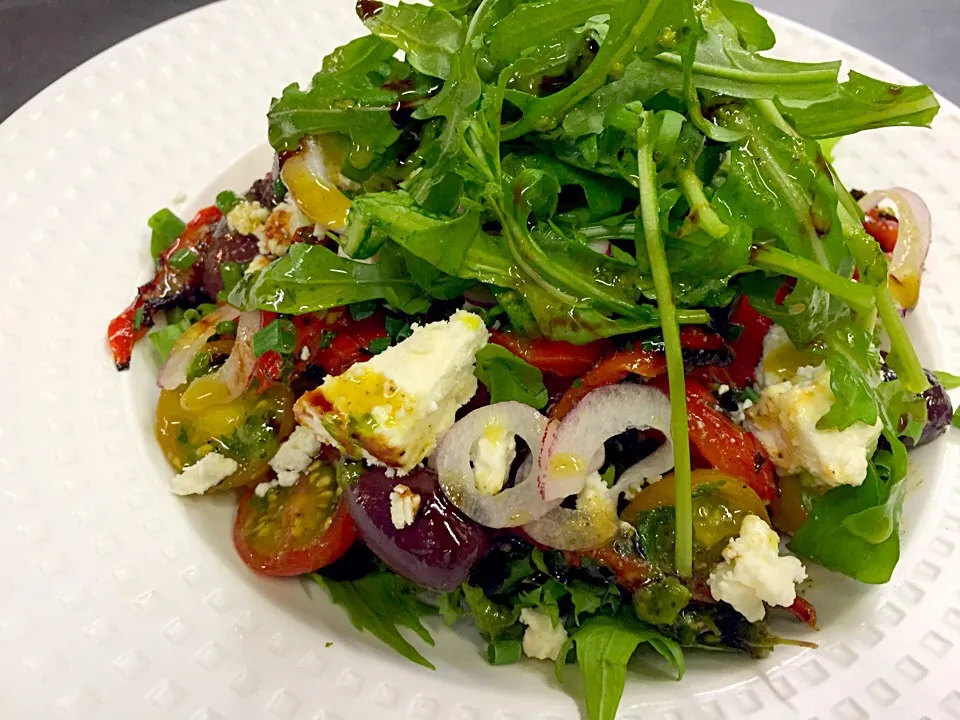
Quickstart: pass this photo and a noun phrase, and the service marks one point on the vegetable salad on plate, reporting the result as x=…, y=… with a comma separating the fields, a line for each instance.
x=554, y=318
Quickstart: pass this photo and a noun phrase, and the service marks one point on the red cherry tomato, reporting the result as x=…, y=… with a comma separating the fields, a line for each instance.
x=295, y=530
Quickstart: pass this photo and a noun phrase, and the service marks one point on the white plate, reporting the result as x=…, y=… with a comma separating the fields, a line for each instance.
x=118, y=600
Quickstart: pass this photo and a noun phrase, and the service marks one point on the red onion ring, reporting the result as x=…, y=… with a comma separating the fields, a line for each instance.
x=173, y=374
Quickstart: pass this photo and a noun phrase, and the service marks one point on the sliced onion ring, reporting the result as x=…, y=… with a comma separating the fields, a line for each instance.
x=514, y=506
x=913, y=242
x=173, y=374
x=235, y=374
x=575, y=449
x=602, y=414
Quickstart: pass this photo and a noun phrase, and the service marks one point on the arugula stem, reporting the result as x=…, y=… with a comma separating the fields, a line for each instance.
x=650, y=215
x=908, y=364
x=702, y=213
x=858, y=296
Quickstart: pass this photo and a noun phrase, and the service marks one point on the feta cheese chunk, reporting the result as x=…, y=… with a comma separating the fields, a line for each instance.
x=212, y=469
x=295, y=455
x=493, y=455
x=393, y=407
x=542, y=639
x=753, y=572
x=280, y=229
x=404, y=505
x=247, y=218
x=784, y=420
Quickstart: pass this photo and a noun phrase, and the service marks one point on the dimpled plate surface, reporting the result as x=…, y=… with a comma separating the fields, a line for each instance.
x=118, y=600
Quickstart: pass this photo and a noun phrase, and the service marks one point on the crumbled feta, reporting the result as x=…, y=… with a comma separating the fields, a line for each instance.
x=784, y=420
x=247, y=218
x=295, y=455
x=493, y=455
x=305, y=353
x=723, y=389
x=280, y=229
x=180, y=198
x=753, y=572
x=258, y=263
x=542, y=639
x=404, y=504
x=212, y=469
x=739, y=415
x=394, y=406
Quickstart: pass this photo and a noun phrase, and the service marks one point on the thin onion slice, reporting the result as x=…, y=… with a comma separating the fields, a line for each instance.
x=514, y=506
x=575, y=449
x=173, y=374
x=235, y=374
x=913, y=241
x=602, y=414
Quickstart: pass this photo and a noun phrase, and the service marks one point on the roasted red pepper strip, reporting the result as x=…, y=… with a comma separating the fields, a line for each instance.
x=632, y=573
x=722, y=443
x=748, y=348
x=883, y=228
x=122, y=336
x=804, y=611
x=558, y=357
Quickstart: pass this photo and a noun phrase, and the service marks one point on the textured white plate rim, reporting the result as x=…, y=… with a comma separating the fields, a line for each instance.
x=109, y=605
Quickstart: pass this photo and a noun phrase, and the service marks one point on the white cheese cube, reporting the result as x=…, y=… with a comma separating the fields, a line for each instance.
x=393, y=407
x=753, y=572
x=212, y=469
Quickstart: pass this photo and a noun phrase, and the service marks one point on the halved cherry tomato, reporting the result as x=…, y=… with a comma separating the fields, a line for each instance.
x=792, y=508
x=883, y=228
x=557, y=357
x=295, y=530
x=722, y=443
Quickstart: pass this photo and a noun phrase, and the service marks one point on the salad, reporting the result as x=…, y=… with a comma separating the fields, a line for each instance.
x=554, y=318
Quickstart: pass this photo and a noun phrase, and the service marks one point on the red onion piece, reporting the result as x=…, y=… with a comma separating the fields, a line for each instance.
x=514, y=506
x=601, y=246
x=913, y=241
x=237, y=371
x=173, y=374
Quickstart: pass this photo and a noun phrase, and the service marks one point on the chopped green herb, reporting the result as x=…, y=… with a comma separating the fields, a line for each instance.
x=279, y=336
x=326, y=338
x=231, y=273
x=199, y=365
x=504, y=652
x=279, y=190
x=165, y=338
x=378, y=345
x=398, y=328
x=166, y=228
x=205, y=309
x=138, y=318
x=363, y=310
x=183, y=259
x=227, y=327
x=227, y=201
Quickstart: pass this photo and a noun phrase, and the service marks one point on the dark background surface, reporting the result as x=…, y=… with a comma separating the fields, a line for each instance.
x=40, y=40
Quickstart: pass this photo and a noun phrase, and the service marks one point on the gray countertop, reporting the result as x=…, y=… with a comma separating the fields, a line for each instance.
x=40, y=40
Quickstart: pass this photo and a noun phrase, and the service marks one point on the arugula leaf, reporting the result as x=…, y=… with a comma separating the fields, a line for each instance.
x=346, y=96
x=491, y=619
x=854, y=364
x=948, y=380
x=381, y=603
x=311, y=278
x=864, y=104
x=163, y=339
x=753, y=29
x=428, y=35
x=604, y=646
x=533, y=25
x=508, y=377
x=827, y=539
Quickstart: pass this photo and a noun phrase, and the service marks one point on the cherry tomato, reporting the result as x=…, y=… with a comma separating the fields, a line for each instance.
x=722, y=443
x=558, y=357
x=792, y=508
x=720, y=503
x=883, y=228
x=248, y=430
x=295, y=530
